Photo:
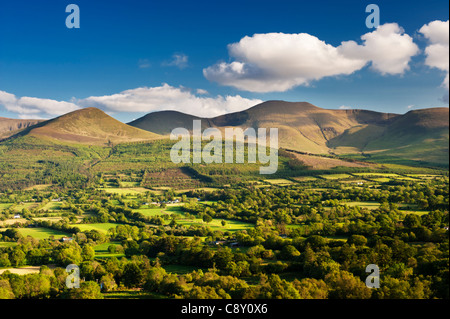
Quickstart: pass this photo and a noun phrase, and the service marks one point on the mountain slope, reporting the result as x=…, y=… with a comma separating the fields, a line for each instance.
x=88, y=126
x=301, y=125
x=9, y=127
x=419, y=135
x=163, y=122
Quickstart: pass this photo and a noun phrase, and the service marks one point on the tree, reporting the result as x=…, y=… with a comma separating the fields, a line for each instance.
x=4, y=260
x=207, y=219
x=310, y=288
x=5, y=290
x=357, y=240
x=87, y=253
x=17, y=257
x=343, y=285
x=108, y=283
x=87, y=290
x=68, y=255
x=289, y=252
x=133, y=275
x=411, y=221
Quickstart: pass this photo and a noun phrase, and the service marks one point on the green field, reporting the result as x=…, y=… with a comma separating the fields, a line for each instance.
x=279, y=181
x=130, y=184
x=414, y=212
x=52, y=206
x=124, y=191
x=41, y=233
x=169, y=210
x=7, y=244
x=305, y=178
x=19, y=207
x=101, y=227
x=101, y=251
x=335, y=176
x=424, y=176
x=381, y=179
x=368, y=205
x=374, y=174
x=215, y=224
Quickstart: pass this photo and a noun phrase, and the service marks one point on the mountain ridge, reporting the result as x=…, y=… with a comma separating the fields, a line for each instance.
x=308, y=128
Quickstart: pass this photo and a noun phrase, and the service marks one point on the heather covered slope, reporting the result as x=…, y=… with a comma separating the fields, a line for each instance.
x=88, y=126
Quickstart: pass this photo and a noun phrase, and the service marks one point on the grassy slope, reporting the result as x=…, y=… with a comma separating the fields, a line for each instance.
x=89, y=126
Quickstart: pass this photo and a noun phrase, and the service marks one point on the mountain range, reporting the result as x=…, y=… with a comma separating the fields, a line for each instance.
x=418, y=135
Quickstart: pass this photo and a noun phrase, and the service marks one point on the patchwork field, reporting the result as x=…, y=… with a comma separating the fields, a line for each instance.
x=23, y=270
x=125, y=190
x=335, y=176
x=215, y=224
x=12, y=221
x=160, y=211
x=279, y=182
x=41, y=233
x=101, y=227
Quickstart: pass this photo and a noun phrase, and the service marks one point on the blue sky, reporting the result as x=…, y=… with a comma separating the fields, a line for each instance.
x=128, y=51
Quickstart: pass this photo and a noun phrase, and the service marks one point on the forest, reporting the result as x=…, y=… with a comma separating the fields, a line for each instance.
x=306, y=240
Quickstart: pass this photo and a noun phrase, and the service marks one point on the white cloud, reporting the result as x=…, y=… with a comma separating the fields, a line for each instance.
x=166, y=97
x=202, y=92
x=143, y=99
x=388, y=48
x=144, y=64
x=34, y=107
x=278, y=61
x=345, y=107
x=437, y=52
x=180, y=60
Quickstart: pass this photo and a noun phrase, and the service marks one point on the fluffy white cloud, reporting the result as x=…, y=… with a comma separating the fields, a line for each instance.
x=437, y=52
x=27, y=107
x=388, y=48
x=180, y=60
x=143, y=99
x=278, y=61
x=166, y=97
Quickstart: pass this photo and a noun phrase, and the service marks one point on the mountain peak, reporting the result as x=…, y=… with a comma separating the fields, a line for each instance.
x=89, y=126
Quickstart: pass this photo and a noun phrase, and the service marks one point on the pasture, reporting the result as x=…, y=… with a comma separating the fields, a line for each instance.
x=216, y=224
x=335, y=176
x=42, y=233
x=101, y=227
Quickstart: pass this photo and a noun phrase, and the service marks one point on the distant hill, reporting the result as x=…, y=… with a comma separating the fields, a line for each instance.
x=9, y=127
x=163, y=122
x=88, y=126
x=419, y=135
